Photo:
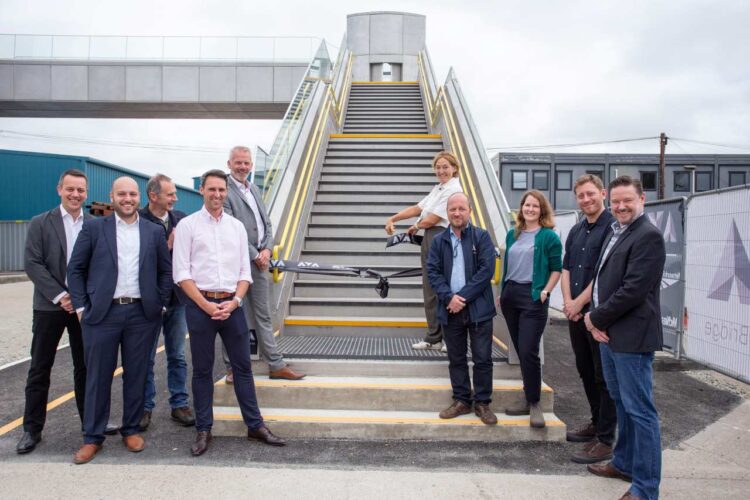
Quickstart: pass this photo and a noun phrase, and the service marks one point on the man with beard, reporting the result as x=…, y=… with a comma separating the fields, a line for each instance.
x=626, y=320
x=582, y=248
x=459, y=267
x=120, y=279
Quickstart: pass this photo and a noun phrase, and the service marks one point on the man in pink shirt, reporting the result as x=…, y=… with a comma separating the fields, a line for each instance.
x=211, y=264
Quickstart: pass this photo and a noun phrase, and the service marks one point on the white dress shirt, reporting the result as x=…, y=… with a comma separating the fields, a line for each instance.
x=72, y=228
x=248, y=194
x=128, y=252
x=437, y=201
x=211, y=252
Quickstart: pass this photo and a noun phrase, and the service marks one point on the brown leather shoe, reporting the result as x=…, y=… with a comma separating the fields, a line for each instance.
x=593, y=452
x=229, y=379
x=285, y=373
x=485, y=414
x=183, y=416
x=455, y=409
x=630, y=496
x=582, y=434
x=134, y=442
x=200, y=445
x=86, y=453
x=264, y=435
x=609, y=471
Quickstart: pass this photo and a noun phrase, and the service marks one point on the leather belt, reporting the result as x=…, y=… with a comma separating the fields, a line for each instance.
x=217, y=295
x=126, y=300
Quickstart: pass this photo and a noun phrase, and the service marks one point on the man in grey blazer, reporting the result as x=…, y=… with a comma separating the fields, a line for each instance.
x=244, y=203
x=49, y=244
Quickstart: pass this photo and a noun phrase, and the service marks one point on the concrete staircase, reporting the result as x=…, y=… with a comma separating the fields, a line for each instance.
x=364, y=381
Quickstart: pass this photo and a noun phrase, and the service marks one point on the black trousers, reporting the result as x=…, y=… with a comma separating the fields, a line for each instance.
x=456, y=333
x=589, y=365
x=526, y=319
x=47, y=329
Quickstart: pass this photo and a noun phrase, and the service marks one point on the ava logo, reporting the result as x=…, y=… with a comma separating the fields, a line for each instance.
x=734, y=265
x=665, y=222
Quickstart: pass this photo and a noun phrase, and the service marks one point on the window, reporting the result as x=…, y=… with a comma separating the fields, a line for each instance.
x=598, y=173
x=519, y=180
x=704, y=181
x=681, y=182
x=648, y=180
x=540, y=180
x=564, y=180
x=736, y=178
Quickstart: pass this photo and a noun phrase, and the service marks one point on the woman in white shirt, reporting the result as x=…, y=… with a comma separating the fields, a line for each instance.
x=433, y=219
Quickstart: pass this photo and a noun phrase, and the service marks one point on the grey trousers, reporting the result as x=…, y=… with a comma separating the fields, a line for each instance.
x=258, y=316
x=434, y=330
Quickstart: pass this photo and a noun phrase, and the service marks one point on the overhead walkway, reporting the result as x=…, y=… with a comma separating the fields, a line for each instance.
x=354, y=154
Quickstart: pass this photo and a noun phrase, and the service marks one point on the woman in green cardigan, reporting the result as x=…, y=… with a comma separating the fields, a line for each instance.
x=531, y=269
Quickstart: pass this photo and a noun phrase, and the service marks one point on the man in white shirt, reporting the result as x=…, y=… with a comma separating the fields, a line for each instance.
x=244, y=203
x=212, y=267
x=49, y=244
x=120, y=280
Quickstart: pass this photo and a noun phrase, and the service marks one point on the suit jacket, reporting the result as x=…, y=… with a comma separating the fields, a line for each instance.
x=479, y=265
x=237, y=206
x=629, y=282
x=92, y=272
x=175, y=216
x=45, y=258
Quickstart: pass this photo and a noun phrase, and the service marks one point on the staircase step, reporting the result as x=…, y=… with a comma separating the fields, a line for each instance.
x=387, y=425
x=355, y=231
x=359, y=218
x=354, y=288
x=357, y=207
x=384, y=269
x=420, y=188
x=385, y=169
x=355, y=307
x=379, y=161
x=378, y=177
x=373, y=393
x=399, y=155
x=351, y=242
x=356, y=326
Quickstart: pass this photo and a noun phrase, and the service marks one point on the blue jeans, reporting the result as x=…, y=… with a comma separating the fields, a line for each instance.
x=174, y=328
x=629, y=378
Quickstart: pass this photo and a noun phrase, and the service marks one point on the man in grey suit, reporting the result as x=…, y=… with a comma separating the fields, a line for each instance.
x=49, y=244
x=244, y=203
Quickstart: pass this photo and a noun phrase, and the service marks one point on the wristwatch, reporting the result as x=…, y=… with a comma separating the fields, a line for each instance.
x=545, y=292
x=239, y=301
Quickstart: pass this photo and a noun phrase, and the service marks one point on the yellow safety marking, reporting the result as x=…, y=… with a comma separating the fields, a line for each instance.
x=55, y=403
x=348, y=322
x=374, y=385
x=386, y=136
x=523, y=422
x=499, y=342
x=384, y=83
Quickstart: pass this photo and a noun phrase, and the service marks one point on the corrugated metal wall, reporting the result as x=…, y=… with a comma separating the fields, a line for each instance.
x=31, y=179
x=12, y=242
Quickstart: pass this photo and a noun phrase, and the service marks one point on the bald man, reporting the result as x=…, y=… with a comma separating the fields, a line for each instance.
x=120, y=281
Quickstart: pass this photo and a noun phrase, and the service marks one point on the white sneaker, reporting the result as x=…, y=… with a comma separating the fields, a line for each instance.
x=425, y=345
x=444, y=348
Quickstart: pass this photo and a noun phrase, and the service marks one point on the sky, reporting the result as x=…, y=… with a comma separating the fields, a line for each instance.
x=535, y=73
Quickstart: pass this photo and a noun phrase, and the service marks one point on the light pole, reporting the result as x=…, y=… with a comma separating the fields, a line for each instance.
x=691, y=169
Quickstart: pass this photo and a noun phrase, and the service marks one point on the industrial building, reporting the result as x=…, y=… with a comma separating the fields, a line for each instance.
x=555, y=174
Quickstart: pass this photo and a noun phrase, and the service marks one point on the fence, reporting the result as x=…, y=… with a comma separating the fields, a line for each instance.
x=12, y=242
x=717, y=285
x=564, y=222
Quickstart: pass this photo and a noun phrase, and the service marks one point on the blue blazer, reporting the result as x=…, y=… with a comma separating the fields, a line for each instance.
x=479, y=266
x=92, y=270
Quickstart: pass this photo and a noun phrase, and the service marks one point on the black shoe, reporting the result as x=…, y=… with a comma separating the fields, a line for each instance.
x=145, y=420
x=111, y=429
x=200, y=445
x=264, y=435
x=183, y=416
x=28, y=442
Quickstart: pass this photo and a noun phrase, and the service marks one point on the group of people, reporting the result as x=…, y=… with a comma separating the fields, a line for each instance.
x=611, y=273
x=116, y=282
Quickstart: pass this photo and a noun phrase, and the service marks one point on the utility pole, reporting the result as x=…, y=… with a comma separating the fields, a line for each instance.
x=662, y=176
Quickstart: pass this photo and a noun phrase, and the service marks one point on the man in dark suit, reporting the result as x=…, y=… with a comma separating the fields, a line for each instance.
x=162, y=195
x=244, y=203
x=49, y=244
x=120, y=277
x=626, y=319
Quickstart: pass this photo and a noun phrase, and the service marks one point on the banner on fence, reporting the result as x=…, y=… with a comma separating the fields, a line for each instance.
x=717, y=269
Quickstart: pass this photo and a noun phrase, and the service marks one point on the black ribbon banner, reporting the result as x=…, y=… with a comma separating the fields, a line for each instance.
x=396, y=239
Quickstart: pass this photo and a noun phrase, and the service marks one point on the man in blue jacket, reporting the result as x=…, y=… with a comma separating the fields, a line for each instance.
x=459, y=267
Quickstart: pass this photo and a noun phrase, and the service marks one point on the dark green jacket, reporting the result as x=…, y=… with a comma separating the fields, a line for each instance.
x=547, y=258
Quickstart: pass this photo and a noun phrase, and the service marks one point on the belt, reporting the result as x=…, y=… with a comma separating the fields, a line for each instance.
x=126, y=300
x=217, y=295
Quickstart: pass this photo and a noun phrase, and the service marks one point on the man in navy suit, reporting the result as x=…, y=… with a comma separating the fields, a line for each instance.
x=120, y=281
